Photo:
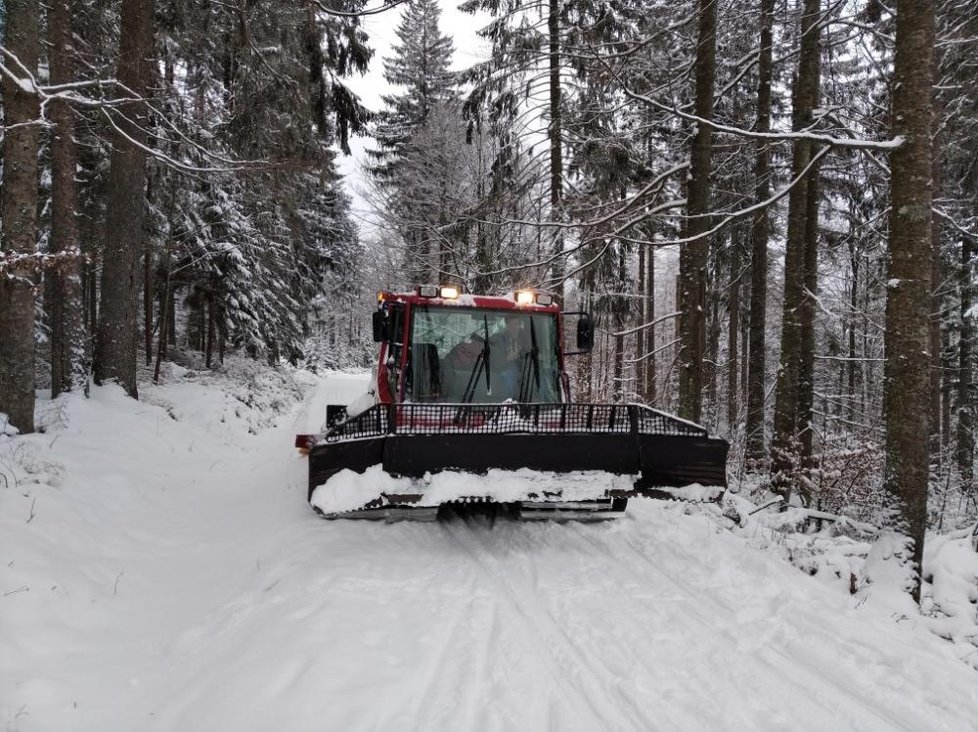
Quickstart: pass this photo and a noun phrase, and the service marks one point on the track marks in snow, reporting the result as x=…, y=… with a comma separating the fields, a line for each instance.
x=426, y=702
x=572, y=668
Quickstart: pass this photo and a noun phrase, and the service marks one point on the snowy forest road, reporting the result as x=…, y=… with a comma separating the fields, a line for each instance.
x=240, y=609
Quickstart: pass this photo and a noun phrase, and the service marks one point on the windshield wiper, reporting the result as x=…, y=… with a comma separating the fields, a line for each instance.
x=531, y=361
x=481, y=364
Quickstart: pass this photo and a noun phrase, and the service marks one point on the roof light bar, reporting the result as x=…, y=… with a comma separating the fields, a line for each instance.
x=525, y=297
x=449, y=293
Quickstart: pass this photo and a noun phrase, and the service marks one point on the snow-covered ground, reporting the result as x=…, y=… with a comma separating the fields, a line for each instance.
x=161, y=570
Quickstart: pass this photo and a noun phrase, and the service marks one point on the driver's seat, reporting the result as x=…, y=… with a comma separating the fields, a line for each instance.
x=425, y=362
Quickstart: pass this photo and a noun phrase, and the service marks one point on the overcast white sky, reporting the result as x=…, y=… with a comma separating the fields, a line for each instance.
x=469, y=49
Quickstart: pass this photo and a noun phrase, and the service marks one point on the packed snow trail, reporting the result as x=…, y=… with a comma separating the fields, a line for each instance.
x=196, y=590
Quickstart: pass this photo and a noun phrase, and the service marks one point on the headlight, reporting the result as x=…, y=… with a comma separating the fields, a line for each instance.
x=525, y=297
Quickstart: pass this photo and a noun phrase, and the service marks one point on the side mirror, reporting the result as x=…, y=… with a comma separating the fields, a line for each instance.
x=381, y=331
x=335, y=413
x=585, y=333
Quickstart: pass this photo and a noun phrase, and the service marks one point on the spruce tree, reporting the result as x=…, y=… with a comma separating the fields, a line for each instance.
x=420, y=145
x=420, y=67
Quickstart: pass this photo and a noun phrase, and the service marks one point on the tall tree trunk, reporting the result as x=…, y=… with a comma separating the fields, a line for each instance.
x=115, y=356
x=947, y=366
x=618, y=361
x=906, y=372
x=806, y=375
x=650, y=385
x=864, y=371
x=68, y=344
x=19, y=215
x=164, y=318
x=643, y=313
x=733, y=332
x=222, y=332
x=853, y=305
x=91, y=295
x=619, y=390
x=935, y=280
x=483, y=252
x=966, y=380
x=148, y=288
x=806, y=372
x=759, y=237
x=935, y=342
x=744, y=341
x=584, y=391
x=556, y=151
x=711, y=360
x=784, y=446
x=693, y=257
x=211, y=324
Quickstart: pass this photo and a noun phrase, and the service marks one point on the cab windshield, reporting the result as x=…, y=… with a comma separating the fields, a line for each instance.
x=455, y=351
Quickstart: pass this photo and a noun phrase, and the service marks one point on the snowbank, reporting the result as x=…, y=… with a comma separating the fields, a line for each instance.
x=104, y=514
x=853, y=558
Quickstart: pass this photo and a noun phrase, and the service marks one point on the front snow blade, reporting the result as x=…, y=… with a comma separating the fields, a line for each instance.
x=656, y=451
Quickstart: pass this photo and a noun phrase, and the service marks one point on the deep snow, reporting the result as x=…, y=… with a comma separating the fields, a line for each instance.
x=161, y=570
